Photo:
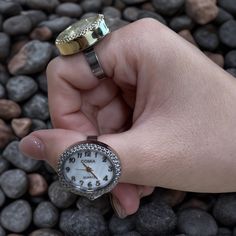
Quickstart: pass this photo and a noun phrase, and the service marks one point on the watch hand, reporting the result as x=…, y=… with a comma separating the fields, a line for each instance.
x=81, y=169
x=89, y=169
x=93, y=174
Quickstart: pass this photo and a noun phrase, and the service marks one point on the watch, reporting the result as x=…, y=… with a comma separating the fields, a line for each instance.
x=89, y=168
x=82, y=35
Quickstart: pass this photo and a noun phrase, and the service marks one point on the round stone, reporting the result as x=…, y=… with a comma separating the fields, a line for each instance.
x=224, y=232
x=168, y=7
x=179, y=23
x=17, y=25
x=37, y=107
x=230, y=59
x=46, y=232
x=14, y=183
x=37, y=185
x=81, y=221
x=42, y=81
x=10, y=8
x=131, y=13
x=222, y=16
x=6, y=134
x=4, y=46
x=69, y=9
x=225, y=209
x=36, y=16
x=60, y=197
x=20, y=88
x=43, y=4
x=12, y=154
x=227, y=33
x=2, y=231
x=4, y=165
x=41, y=33
x=196, y=222
x=45, y=215
x=2, y=92
x=148, y=14
x=232, y=71
x=133, y=2
x=38, y=125
x=9, y=109
x=17, y=216
x=155, y=218
x=206, y=37
x=64, y=216
x=2, y=198
x=91, y=5
x=21, y=126
x=131, y=233
x=111, y=12
x=228, y=5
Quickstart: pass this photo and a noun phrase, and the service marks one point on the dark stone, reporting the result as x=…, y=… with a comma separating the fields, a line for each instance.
x=91, y=5
x=4, y=165
x=206, y=37
x=155, y=218
x=17, y=25
x=2, y=231
x=228, y=5
x=168, y=8
x=133, y=2
x=121, y=226
x=4, y=76
x=42, y=82
x=179, y=23
x=144, y=14
x=37, y=107
x=111, y=12
x=60, y=197
x=222, y=16
x=46, y=232
x=232, y=71
x=14, y=183
x=14, y=156
x=32, y=58
x=115, y=24
x=225, y=209
x=81, y=221
x=2, y=198
x=38, y=125
x=36, y=16
x=4, y=46
x=131, y=13
x=227, y=33
x=196, y=222
x=224, y=232
x=20, y=88
x=44, y=5
x=64, y=216
x=58, y=24
x=2, y=91
x=69, y=9
x=10, y=8
x=131, y=233
x=45, y=215
x=17, y=216
x=230, y=59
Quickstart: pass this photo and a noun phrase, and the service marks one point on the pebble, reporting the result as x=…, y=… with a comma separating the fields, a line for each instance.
x=216, y=57
x=45, y=215
x=222, y=16
x=228, y=5
x=14, y=183
x=17, y=25
x=186, y=34
x=131, y=13
x=10, y=8
x=144, y=14
x=69, y=9
x=6, y=134
x=81, y=221
x=115, y=24
x=3, y=75
x=155, y=218
x=37, y=107
x=196, y=222
x=133, y=2
x=41, y=33
x=168, y=8
x=225, y=209
x=131, y=233
x=179, y=23
x=46, y=232
x=227, y=33
x=102, y=204
x=9, y=109
x=38, y=125
x=4, y=46
x=232, y=71
x=121, y=226
x=224, y=232
x=201, y=11
x=20, y=88
x=58, y=24
x=194, y=203
x=64, y=216
x=4, y=165
x=37, y=185
x=111, y=12
x=2, y=92
x=2, y=231
x=230, y=59
x=21, y=126
x=32, y=58
x=91, y=5
x=2, y=199
x=17, y=216
x=36, y=16
x=42, y=82
x=12, y=154
x=44, y=5
x=207, y=38
x=60, y=197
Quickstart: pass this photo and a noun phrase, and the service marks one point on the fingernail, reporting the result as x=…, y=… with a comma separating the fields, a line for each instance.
x=32, y=146
x=119, y=210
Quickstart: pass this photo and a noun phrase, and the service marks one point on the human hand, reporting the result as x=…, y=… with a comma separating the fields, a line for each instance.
x=165, y=108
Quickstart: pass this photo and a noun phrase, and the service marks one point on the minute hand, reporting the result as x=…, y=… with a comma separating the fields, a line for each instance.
x=89, y=169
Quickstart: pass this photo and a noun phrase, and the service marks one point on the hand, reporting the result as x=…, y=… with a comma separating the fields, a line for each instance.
x=165, y=108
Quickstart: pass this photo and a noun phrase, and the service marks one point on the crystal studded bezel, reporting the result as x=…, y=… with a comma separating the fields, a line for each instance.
x=89, y=145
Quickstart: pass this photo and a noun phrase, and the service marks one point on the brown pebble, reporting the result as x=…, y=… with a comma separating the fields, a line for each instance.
x=148, y=7
x=21, y=126
x=9, y=109
x=6, y=134
x=186, y=34
x=201, y=11
x=216, y=57
x=194, y=203
x=16, y=47
x=41, y=33
x=37, y=185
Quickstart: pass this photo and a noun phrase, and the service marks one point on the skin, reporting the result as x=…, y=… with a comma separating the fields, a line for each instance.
x=164, y=107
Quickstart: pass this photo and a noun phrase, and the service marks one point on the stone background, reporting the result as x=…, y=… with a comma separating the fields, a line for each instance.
x=31, y=200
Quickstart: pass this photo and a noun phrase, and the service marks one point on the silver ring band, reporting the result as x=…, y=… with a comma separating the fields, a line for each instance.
x=94, y=63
